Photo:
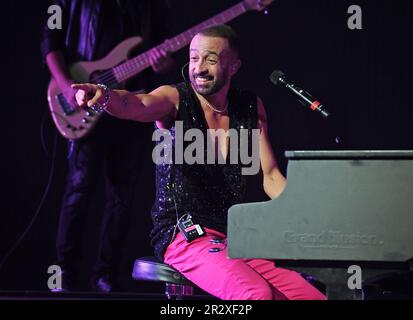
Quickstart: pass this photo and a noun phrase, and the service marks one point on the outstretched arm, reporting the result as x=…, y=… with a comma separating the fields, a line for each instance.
x=274, y=182
x=158, y=105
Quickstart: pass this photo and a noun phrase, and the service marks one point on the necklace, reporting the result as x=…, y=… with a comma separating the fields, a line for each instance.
x=211, y=107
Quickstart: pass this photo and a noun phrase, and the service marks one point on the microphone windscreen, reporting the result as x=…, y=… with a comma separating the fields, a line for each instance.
x=275, y=76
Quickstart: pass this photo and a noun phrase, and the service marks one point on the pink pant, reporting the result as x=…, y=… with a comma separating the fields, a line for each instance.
x=235, y=279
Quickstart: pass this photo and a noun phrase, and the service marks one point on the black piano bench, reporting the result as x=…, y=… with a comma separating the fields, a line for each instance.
x=151, y=269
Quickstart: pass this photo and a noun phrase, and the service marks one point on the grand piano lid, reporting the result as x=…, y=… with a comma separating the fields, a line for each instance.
x=337, y=206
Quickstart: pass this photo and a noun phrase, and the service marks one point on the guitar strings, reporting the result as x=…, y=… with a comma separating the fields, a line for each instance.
x=108, y=76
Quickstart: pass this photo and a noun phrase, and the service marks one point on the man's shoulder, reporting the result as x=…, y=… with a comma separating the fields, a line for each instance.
x=165, y=90
x=168, y=92
x=172, y=90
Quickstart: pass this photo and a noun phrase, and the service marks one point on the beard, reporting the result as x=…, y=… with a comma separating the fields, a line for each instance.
x=212, y=84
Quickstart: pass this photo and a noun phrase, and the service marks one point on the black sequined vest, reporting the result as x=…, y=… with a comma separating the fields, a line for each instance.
x=206, y=191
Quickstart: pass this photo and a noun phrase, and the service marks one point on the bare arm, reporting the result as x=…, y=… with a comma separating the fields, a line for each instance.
x=274, y=182
x=158, y=105
x=60, y=73
x=58, y=68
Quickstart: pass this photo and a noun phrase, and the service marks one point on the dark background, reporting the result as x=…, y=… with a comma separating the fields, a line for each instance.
x=362, y=76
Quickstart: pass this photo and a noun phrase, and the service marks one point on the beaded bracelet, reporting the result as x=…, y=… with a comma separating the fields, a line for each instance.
x=100, y=107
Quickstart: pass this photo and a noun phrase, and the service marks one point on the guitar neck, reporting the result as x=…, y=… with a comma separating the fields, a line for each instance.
x=141, y=62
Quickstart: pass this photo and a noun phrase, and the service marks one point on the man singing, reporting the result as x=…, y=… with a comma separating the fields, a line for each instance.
x=204, y=192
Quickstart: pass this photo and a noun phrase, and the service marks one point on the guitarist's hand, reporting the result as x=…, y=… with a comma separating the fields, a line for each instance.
x=161, y=60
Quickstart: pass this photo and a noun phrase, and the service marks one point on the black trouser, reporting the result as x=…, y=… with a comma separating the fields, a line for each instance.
x=117, y=149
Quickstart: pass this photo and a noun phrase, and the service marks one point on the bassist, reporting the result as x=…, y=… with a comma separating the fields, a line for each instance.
x=91, y=28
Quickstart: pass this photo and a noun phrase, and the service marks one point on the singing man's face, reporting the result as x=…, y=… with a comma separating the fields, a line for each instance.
x=211, y=64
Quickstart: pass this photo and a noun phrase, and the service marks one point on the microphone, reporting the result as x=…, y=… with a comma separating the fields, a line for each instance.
x=278, y=77
x=183, y=71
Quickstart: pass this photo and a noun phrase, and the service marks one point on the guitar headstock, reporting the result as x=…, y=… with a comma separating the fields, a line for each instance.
x=257, y=5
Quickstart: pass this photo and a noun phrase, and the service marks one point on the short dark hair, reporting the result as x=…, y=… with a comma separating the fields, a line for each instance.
x=226, y=32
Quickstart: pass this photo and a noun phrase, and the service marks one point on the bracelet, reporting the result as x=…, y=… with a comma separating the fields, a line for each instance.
x=100, y=107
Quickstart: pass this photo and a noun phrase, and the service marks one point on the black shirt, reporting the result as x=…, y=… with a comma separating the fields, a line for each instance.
x=206, y=191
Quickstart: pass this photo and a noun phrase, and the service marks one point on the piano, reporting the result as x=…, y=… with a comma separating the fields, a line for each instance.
x=339, y=209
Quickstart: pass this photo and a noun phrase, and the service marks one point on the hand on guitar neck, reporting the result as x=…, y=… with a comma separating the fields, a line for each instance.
x=160, y=60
